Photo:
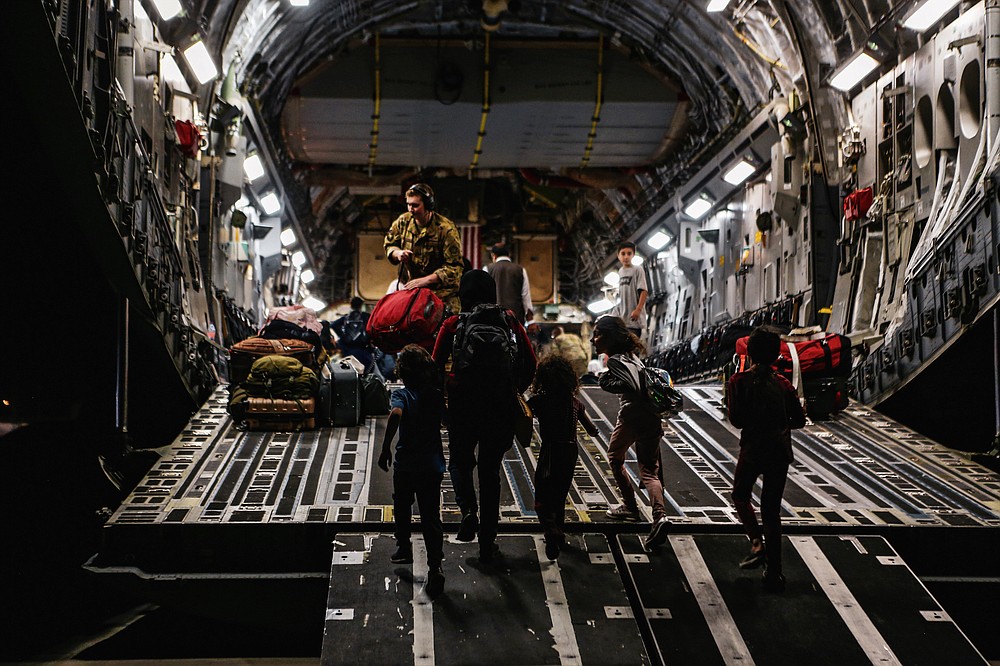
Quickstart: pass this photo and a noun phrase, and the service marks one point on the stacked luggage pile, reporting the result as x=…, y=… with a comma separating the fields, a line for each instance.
x=282, y=378
x=278, y=391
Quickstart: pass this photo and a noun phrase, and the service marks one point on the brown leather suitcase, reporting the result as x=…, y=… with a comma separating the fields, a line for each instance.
x=243, y=354
x=278, y=414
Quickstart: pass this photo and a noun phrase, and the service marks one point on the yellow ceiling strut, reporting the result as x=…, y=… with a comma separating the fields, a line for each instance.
x=597, y=104
x=373, y=146
x=486, y=105
x=536, y=195
x=756, y=49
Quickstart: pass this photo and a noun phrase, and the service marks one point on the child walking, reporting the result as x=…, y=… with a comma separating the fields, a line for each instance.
x=638, y=423
x=764, y=405
x=419, y=465
x=558, y=409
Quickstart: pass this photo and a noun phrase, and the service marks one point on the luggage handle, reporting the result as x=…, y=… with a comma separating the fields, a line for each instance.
x=403, y=268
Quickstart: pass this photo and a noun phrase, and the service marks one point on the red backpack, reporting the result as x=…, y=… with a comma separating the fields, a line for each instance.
x=404, y=317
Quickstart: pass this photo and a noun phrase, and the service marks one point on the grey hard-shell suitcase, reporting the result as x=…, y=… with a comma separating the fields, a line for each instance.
x=338, y=401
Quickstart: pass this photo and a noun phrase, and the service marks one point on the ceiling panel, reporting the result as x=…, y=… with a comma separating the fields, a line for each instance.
x=542, y=101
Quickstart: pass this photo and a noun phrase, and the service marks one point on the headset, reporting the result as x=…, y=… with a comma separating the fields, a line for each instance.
x=425, y=192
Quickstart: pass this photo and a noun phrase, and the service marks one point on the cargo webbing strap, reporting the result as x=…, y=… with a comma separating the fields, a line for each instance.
x=796, y=369
x=827, y=354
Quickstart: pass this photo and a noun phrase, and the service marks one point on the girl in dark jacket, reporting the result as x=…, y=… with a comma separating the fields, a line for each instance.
x=638, y=423
x=558, y=409
x=764, y=405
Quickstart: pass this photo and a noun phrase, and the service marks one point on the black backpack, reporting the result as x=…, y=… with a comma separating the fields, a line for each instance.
x=484, y=343
x=352, y=329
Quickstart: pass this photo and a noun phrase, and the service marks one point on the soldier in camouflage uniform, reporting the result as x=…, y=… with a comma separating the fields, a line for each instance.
x=429, y=246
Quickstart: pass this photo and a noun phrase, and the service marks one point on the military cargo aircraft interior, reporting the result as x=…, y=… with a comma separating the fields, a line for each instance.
x=203, y=187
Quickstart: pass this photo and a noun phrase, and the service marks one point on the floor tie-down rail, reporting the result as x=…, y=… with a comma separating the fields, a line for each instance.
x=849, y=600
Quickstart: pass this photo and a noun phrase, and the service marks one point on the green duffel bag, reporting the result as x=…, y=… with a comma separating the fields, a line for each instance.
x=276, y=376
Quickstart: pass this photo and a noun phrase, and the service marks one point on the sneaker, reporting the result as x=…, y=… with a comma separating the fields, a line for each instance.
x=488, y=551
x=623, y=513
x=754, y=559
x=658, y=535
x=403, y=555
x=773, y=582
x=467, y=529
x=435, y=582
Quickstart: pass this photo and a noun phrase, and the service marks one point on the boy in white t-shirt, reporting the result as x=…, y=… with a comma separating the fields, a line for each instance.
x=632, y=291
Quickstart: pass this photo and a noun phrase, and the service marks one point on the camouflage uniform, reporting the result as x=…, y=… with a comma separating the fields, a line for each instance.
x=437, y=248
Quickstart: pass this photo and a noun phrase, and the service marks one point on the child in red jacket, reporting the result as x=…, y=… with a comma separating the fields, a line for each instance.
x=764, y=405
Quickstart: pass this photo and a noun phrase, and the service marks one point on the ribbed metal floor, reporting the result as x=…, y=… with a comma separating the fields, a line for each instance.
x=857, y=471
x=265, y=513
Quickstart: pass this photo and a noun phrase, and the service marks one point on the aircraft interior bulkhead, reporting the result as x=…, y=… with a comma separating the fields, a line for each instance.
x=185, y=173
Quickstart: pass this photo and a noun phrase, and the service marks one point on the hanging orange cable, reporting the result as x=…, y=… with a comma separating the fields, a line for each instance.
x=373, y=146
x=486, y=105
x=597, y=104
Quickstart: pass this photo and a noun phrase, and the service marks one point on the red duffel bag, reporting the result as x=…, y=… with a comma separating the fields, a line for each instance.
x=404, y=317
x=827, y=357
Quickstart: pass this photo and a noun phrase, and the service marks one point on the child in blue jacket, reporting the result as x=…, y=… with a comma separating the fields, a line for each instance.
x=418, y=468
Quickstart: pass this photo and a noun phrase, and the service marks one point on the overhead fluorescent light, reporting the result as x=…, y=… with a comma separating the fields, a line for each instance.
x=739, y=172
x=658, y=240
x=637, y=260
x=603, y=305
x=270, y=203
x=612, y=279
x=298, y=259
x=307, y=276
x=928, y=13
x=253, y=167
x=167, y=9
x=853, y=71
x=697, y=208
x=314, y=303
x=200, y=60
x=299, y=3
x=287, y=237
x=716, y=5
